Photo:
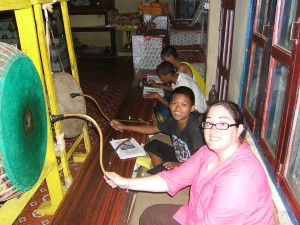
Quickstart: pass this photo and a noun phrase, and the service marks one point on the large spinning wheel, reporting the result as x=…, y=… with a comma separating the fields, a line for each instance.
x=23, y=126
x=31, y=33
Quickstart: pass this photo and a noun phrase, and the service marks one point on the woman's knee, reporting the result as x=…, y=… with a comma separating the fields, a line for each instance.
x=161, y=214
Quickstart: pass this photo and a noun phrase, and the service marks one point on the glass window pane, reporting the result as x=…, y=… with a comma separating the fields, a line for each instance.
x=293, y=167
x=286, y=17
x=255, y=68
x=261, y=15
x=275, y=106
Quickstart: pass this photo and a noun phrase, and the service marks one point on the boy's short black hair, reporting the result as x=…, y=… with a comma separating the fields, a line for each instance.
x=165, y=68
x=185, y=91
x=169, y=50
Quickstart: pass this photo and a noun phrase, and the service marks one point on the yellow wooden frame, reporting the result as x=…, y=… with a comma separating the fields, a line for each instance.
x=33, y=43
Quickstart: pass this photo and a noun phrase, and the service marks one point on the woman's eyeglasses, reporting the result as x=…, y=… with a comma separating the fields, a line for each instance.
x=219, y=126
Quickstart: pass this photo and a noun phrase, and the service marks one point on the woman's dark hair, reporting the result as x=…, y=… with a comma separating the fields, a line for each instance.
x=234, y=111
x=165, y=68
x=185, y=91
x=169, y=50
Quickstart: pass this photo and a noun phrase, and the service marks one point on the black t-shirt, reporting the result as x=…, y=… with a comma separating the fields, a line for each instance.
x=186, y=142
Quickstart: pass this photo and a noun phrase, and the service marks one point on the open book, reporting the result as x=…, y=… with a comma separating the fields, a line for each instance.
x=127, y=148
x=148, y=89
x=154, y=77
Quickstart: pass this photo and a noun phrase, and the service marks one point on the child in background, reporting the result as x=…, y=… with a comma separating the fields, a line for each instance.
x=183, y=129
x=167, y=74
x=170, y=54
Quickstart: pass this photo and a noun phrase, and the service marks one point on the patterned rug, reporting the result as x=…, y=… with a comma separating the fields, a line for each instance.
x=107, y=80
x=191, y=53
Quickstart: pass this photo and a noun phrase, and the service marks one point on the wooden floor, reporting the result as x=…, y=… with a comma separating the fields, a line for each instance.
x=90, y=200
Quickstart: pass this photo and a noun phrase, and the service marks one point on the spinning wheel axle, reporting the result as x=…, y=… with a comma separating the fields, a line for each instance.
x=55, y=118
x=131, y=119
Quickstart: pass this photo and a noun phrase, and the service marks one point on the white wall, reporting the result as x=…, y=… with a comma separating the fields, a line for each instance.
x=212, y=43
x=127, y=6
x=90, y=38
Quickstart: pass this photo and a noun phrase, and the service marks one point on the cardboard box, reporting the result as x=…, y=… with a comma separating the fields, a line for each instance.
x=153, y=8
x=146, y=51
x=161, y=22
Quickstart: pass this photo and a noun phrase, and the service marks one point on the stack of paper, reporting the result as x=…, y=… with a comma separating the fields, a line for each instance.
x=127, y=148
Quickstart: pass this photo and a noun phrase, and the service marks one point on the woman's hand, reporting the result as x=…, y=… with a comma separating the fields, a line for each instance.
x=115, y=180
x=171, y=165
x=153, y=183
x=117, y=125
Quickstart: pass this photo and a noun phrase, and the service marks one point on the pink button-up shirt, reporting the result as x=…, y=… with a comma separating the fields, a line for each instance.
x=236, y=192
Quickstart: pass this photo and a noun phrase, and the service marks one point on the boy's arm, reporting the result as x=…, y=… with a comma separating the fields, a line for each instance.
x=143, y=129
x=165, y=87
x=183, y=68
x=158, y=97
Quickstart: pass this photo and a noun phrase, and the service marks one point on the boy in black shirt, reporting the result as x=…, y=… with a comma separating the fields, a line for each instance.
x=182, y=127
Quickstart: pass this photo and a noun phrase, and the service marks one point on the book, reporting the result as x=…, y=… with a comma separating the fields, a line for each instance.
x=127, y=148
x=154, y=77
x=148, y=89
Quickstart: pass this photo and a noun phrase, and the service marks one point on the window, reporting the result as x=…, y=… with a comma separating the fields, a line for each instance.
x=271, y=100
x=292, y=172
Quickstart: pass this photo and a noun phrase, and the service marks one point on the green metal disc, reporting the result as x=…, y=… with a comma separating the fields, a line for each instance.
x=23, y=120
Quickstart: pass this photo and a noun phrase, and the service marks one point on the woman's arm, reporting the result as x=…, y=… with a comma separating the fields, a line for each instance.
x=151, y=183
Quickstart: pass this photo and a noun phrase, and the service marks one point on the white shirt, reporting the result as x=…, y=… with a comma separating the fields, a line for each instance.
x=185, y=80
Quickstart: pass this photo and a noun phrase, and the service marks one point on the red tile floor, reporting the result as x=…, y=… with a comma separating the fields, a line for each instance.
x=108, y=82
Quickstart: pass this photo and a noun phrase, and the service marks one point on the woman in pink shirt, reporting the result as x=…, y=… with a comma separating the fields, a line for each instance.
x=228, y=183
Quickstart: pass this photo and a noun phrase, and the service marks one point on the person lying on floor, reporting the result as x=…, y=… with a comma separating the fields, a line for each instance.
x=183, y=129
x=228, y=183
x=167, y=74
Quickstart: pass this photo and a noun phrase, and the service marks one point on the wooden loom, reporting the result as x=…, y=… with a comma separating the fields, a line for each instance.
x=32, y=38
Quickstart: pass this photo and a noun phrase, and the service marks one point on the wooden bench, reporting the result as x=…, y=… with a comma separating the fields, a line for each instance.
x=90, y=200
